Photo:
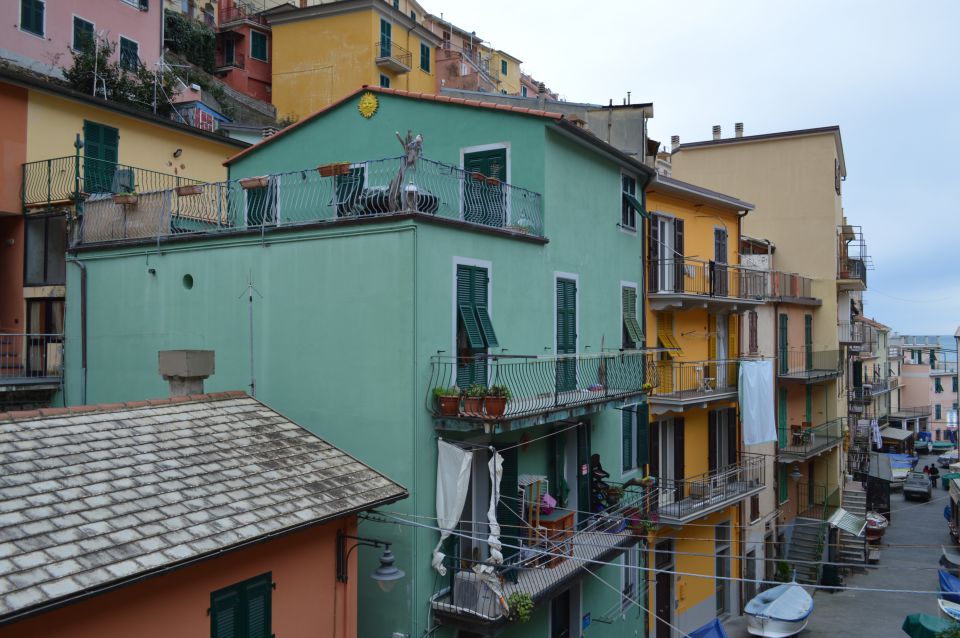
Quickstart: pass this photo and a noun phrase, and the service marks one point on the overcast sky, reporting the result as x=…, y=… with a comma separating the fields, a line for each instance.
x=887, y=72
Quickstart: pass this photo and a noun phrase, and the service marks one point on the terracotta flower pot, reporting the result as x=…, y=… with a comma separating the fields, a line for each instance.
x=248, y=183
x=190, y=189
x=495, y=406
x=125, y=198
x=338, y=168
x=473, y=405
x=449, y=406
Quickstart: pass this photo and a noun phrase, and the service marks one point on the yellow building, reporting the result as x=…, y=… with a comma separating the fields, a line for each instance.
x=506, y=69
x=707, y=485
x=325, y=51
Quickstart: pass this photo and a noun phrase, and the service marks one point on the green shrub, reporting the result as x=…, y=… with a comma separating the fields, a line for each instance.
x=191, y=38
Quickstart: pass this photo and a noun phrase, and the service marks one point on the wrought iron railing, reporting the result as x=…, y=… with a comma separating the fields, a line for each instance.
x=681, y=500
x=695, y=379
x=538, y=384
x=363, y=190
x=480, y=594
x=850, y=332
x=851, y=268
x=868, y=390
x=61, y=180
x=30, y=356
x=802, y=441
x=237, y=60
x=236, y=13
x=684, y=275
x=808, y=364
x=390, y=51
x=911, y=412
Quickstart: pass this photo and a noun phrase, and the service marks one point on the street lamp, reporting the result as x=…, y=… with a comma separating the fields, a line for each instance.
x=386, y=575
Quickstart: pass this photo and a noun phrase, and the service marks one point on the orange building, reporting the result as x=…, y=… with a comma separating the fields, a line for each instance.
x=202, y=515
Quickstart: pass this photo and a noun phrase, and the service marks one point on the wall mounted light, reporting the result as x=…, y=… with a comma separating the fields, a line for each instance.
x=795, y=473
x=386, y=575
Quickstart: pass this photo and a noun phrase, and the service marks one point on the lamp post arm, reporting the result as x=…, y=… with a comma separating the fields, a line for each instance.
x=343, y=554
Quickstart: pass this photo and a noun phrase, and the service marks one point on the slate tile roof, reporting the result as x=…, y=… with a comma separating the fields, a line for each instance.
x=92, y=497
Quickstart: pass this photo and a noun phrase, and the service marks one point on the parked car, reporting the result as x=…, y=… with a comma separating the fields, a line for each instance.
x=947, y=458
x=917, y=485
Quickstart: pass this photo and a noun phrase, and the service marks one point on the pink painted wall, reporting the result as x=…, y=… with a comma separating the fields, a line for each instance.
x=307, y=602
x=111, y=18
x=916, y=385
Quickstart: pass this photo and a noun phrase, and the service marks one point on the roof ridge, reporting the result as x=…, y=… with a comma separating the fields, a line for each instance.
x=46, y=413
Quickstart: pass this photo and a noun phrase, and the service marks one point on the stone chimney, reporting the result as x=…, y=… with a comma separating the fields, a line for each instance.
x=541, y=96
x=185, y=370
x=738, y=129
x=674, y=142
x=716, y=131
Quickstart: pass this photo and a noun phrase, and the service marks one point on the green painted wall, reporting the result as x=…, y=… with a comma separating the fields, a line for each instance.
x=346, y=319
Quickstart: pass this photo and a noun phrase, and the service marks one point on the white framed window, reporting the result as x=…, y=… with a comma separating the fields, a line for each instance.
x=33, y=17
x=129, y=54
x=84, y=33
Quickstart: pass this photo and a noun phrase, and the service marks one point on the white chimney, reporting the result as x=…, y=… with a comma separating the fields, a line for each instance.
x=674, y=142
x=185, y=370
x=738, y=129
x=716, y=131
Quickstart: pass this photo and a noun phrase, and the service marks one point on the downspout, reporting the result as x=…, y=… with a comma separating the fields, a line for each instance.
x=83, y=326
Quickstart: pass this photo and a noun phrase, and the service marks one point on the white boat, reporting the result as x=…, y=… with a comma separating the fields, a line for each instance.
x=949, y=610
x=779, y=612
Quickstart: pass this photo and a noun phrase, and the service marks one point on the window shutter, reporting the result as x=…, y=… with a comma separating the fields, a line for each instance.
x=678, y=255
x=486, y=327
x=937, y=412
x=654, y=449
x=631, y=325
x=642, y=413
x=584, y=490
x=712, y=440
x=679, y=454
x=144, y=5
x=754, y=347
x=566, y=316
x=782, y=416
x=808, y=340
x=258, y=610
x=479, y=282
x=782, y=345
x=782, y=483
x=732, y=435
x=225, y=618
x=471, y=327
x=558, y=479
x=733, y=347
x=808, y=410
x=937, y=386
x=653, y=283
x=626, y=435
x=508, y=508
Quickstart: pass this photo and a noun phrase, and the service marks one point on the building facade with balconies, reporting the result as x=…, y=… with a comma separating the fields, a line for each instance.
x=244, y=47
x=356, y=293
x=709, y=485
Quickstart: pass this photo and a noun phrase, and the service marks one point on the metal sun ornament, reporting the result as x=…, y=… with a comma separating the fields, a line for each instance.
x=368, y=105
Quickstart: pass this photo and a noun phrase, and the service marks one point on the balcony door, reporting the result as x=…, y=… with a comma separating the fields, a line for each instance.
x=721, y=286
x=667, y=458
x=101, y=146
x=664, y=590
x=666, y=253
x=483, y=190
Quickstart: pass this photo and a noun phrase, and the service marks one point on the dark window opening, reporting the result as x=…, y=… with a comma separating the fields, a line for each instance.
x=45, y=253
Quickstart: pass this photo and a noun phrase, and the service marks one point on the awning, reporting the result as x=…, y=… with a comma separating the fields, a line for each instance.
x=848, y=522
x=895, y=434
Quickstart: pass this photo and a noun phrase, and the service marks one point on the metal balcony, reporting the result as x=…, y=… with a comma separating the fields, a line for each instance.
x=808, y=366
x=31, y=368
x=685, y=384
x=542, y=389
x=224, y=63
x=393, y=57
x=802, y=442
x=683, y=283
x=850, y=332
x=544, y=566
x=680, y=501
x=335, y=194
x=867, y=391
x=852, y=259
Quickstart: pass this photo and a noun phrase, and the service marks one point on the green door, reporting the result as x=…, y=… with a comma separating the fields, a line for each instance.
x=808, y=340
x=782, y=345
x=566, y=334
x=782, y=416
x=386, y=38
x=100, y=154
x=483, y=190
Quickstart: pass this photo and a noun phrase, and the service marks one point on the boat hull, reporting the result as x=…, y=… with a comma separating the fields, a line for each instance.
x=774, y=628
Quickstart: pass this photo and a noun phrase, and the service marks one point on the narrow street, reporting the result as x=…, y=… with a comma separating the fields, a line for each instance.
x=879, y=615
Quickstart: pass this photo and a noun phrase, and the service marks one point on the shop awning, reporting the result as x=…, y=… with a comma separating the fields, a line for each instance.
x=895, y=434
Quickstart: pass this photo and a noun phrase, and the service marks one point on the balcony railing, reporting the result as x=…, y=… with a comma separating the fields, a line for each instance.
x=801, y=442
x=237, y=60
x=63, y=180
x=30, y=358
x=911, y=412
x=773, y=284
x=805, y=364
x=693, y=277
x=543, y=565
x=680, y=501
x=540, y=385
x=379, y=188
x=392, y=56
x=695, y=381
x=850, y=332
x=236, y=13
x=852, y=258
x=868, y=390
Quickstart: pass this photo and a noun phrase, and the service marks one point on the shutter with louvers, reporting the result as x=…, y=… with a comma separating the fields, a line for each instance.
x=782, y=484
x=712, y=440
x=471, y=289
x=654, y=453
x=386, y=38
x=633, y=335
x=678, y=264
x=225, y=614
x=808, y=340
x=679, y=455
x=484, y=199
x=808, y=408
x=754, y=347
x=782, y=345
x=626, y=435
x=653, y=269
x=782, y=417
x=508, y=507
x=558, y=477
x=566, y=334
x=100, y=151
x=643, y=434
x=731, y=436
x=712, y=367
x=258, y=611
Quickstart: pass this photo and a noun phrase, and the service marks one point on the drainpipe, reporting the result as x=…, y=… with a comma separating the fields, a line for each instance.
x=83, y=325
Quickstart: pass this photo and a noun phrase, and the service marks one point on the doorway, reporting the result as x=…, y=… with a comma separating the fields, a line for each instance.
x=664, y=590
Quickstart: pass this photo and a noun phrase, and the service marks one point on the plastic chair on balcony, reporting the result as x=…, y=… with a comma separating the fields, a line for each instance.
x=796, y=434
x=705, y=384
x=807, y=432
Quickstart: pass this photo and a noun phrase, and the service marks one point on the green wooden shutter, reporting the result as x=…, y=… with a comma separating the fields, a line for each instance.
x=632, y=330
x=508, y=509
x=937, y=412
x=558, y=477
x=257, y=594
x=933, y=358
x=31, y=16
x=101, y=147
x=782, y=416
x=471, y=289
x=503, y=67
x=566, y=334
x=82, y=34
x=808, y=340
x=483, y=202
x=425, y=57
x=386, y=38
x=782, y=483
x=937, y=386
x=480, y=281
x=954, y=382
x=627, y=456
x=782, y=344
x=258, y=46
x=129, y=54
x=583, y=479
x=808, y=408
x=643, y=434
x=225, y=614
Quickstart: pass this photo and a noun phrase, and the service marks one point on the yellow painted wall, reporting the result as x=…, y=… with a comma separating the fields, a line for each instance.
x=509, y=82
x=319, y=60
x=54, y=121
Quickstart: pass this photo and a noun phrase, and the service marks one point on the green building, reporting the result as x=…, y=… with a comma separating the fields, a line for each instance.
x=344, y=289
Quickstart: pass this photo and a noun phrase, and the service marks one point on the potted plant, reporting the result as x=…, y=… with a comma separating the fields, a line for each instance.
x=249, y=183
x=478, y=177
x=189, y=189
x=492, y=181
x=448, y=400
x=473, y=399
x=495, y=401
x=125, y=198
x=336, y=168
x=521, y=606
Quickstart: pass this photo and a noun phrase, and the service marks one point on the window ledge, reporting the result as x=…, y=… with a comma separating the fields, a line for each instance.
x=630, y=230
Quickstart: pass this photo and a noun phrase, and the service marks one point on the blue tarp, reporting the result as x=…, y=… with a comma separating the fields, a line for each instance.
x=713, y=629
x=901, y=461
x=925, y=436
x=949, y=587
